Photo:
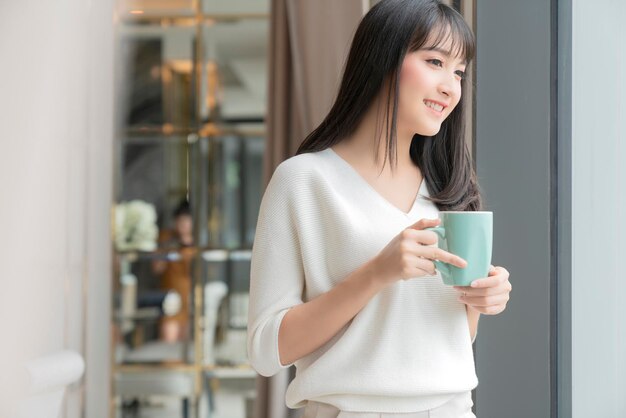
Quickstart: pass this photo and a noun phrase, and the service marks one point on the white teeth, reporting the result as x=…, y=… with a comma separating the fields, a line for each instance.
x=435, y=106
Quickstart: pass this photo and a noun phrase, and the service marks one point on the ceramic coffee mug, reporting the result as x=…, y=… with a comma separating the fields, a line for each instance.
x=468, y=235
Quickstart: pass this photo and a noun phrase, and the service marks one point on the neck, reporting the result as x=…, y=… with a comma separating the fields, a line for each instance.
x=367, y=138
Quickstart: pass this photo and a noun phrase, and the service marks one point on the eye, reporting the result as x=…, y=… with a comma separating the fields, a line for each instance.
x=439, y=63
x=433, y=60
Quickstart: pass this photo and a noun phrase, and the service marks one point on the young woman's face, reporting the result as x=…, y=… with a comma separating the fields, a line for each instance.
x=428, y=78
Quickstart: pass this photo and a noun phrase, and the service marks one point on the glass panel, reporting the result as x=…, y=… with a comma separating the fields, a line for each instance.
x=227, y=173
x=195, y=138
x=234, y=77
x=155, y=7
x=252, y=166
x=235, y=6
x=157, y=77
x=154, y=169
x=214, y=267
x=233, y=394
x=155, y=253
x=225, y=206
x=229, y=169
x=217, y=178
x=224, y=340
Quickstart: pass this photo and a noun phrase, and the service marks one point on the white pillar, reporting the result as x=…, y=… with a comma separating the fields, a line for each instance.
x=56, y=133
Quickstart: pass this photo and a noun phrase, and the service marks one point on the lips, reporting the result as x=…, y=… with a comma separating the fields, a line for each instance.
x=435, y=107
x=444, y=105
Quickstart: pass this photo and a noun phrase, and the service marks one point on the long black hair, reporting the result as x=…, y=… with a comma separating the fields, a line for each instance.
x=384, y=36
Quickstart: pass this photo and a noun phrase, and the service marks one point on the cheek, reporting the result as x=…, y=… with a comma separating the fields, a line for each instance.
x=413, y=80
x=414, y=87
x=456, y=93
x=408, y=70
x=456, y=98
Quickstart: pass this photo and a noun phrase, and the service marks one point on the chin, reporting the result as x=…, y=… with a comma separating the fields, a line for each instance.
x=429, y=131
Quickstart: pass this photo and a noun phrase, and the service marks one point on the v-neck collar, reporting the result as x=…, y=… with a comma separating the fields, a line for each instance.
x=367, y=185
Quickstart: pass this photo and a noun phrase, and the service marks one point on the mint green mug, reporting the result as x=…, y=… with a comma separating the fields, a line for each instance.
x=468, y=235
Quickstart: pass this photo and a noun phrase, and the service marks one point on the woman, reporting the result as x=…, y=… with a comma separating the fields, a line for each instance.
x=176, y=274
x=343, y=283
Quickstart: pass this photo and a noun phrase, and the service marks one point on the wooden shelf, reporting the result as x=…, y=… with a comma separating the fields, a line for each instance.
x=166, y=132
x=188, y=19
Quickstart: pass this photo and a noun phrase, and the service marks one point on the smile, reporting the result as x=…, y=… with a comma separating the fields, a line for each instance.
x=435, y=107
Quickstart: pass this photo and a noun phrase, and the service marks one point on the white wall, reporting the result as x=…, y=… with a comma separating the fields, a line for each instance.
x=56, y=130
x=598, y=209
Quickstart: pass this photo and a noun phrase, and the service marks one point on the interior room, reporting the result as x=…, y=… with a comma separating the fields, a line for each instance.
x=140, y=137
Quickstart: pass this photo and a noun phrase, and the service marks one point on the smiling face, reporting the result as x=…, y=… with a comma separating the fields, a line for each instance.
x=428, y=80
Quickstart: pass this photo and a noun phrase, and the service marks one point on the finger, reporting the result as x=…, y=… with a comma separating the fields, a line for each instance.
x=492, y=272
x=421, y=271
x=502, y=270
x=428, y=238
x=435, y=253
x=479, y=283
x=468, y=291
x=425, y=272
x=427, y=266
x=484, y=300
x=425, y=223
x=502, y=288
x=491, y=281
x=490, y=310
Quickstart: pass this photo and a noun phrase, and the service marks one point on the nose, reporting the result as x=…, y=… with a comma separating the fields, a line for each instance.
x=447, y=86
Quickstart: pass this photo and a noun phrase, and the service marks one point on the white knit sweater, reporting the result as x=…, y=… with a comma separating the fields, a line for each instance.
x=407, y=350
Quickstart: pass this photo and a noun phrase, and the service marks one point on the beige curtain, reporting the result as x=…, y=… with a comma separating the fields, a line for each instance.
x=309, y=42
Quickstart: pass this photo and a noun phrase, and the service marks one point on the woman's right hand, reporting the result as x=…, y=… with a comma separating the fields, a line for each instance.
x=408, y=256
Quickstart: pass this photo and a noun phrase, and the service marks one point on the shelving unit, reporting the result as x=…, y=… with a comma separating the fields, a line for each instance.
x=192, y=74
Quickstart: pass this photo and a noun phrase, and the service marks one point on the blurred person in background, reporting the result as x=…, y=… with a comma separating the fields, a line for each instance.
x=176, y=274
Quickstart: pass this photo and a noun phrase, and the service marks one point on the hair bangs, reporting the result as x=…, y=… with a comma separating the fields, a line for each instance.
x=448, y=25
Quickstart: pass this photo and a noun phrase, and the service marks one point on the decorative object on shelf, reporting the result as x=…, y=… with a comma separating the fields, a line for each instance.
x=135, y=226
x=214, y=292
x=164, y=302
x=135, y=230
x=128, y=305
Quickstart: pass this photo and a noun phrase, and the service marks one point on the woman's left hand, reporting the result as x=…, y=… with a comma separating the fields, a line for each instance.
x=489, y=295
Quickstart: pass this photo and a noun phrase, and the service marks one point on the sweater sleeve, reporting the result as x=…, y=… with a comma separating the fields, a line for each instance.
x=276, y=272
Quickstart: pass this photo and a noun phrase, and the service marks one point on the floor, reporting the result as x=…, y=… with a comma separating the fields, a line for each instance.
x=228, y=403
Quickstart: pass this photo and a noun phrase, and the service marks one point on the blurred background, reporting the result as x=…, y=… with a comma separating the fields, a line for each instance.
x=138, y=137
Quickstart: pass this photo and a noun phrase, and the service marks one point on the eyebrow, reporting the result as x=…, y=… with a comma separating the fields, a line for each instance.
x=446, y=53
